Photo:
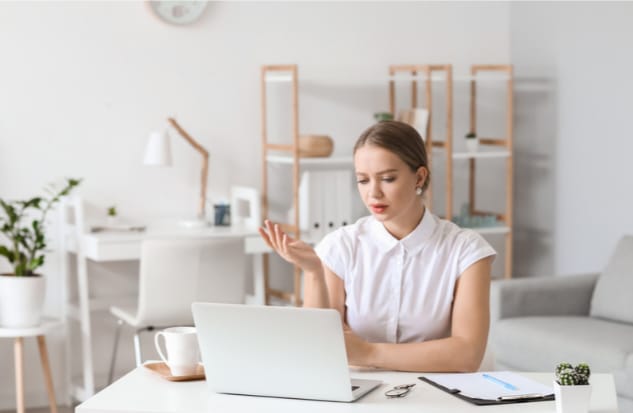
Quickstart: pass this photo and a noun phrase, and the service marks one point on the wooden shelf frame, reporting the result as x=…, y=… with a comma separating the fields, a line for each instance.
x=292, y=149
x=428, y=75
x=425, y=73
x=506, y=143
x=502, y=146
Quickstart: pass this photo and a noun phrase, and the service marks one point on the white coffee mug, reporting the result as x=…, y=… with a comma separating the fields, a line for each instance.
x=183, y=353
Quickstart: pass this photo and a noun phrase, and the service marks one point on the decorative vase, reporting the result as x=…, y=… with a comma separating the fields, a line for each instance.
x=21, y=300
x=572, y=399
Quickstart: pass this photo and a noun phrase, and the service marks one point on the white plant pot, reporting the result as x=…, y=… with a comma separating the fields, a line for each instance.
x=21, y=300
x=472, y=144
x=572, y=399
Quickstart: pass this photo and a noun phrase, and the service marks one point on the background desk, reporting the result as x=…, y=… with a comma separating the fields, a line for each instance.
x=126, y=245
x=143, y=391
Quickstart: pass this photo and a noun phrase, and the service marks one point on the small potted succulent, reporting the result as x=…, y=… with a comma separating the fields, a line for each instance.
x=23, y=225
x=112, y=215
x=571, y=388
x=472, y=142
x=380, y=116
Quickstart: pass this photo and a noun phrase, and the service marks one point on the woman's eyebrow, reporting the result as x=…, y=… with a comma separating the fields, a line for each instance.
x=379, y=172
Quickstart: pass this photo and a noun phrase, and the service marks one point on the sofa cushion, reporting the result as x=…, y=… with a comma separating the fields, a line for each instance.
x=624, y=379
x=613, y=294
x=540, y=343
x=624, y=382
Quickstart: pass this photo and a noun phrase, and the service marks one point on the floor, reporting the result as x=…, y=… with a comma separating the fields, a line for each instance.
x=60, y=409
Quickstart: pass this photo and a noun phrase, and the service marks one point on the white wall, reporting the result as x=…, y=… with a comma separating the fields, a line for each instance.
x=83, y=83
x=586, y=48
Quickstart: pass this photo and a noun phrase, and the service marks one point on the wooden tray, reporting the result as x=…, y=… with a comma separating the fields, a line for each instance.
x=162, y=370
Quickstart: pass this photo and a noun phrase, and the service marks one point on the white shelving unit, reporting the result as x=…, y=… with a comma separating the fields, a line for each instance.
x=496, y=147
x=312, y=163
x=430, y=76
x=481, y=155
x=439, y=144
x=501, y=229
x=489, y=148
x=308, y=220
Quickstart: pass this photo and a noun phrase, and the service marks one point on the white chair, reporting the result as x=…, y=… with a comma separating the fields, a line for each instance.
x=173, y=274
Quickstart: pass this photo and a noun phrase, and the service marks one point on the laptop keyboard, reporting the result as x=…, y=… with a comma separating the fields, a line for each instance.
x=355, y=387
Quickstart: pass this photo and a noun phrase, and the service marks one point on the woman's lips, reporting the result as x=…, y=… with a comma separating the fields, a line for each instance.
x=378, y=208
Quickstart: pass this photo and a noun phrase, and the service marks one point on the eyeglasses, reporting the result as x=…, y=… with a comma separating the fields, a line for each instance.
x=400, y=390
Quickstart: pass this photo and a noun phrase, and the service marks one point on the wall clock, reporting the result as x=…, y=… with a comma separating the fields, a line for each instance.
x=178, y=12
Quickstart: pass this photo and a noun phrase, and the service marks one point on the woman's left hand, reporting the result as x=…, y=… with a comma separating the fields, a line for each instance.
x=358, y=350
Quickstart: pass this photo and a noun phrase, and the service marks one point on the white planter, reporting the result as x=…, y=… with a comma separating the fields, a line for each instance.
x=472, y=144
x=572, y=399
x=21, y=300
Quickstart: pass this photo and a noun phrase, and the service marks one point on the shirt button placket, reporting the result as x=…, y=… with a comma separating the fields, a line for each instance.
x=401, y=258
x=396, y=288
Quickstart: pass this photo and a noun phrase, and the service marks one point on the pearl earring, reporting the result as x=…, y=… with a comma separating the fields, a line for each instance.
x=418, y=191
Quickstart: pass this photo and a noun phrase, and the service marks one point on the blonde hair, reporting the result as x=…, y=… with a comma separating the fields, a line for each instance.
x=400, y=139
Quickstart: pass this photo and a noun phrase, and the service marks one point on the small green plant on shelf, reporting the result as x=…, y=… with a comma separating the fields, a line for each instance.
x=112, y=211
x=472, y=143
x=380, y=116
x=568, y=375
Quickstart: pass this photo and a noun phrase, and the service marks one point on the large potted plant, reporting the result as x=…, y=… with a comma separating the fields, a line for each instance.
x=24, y=243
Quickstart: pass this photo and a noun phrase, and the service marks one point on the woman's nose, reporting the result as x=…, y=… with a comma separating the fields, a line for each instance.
x=375, y=190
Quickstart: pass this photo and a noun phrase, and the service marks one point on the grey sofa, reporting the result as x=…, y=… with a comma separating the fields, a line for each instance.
x=538, y=322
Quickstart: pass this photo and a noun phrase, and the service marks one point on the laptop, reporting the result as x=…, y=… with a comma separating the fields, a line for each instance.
x=271, y=351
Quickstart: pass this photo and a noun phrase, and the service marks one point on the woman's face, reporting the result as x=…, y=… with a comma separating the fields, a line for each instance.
x=386, y=184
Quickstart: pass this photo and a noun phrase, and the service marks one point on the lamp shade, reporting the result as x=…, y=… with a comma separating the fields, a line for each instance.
x=158, y=149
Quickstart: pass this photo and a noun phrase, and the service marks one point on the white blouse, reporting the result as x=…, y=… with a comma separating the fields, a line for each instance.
x=401, y=291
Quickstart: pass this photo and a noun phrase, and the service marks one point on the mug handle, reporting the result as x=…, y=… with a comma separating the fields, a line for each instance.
x=157, y=345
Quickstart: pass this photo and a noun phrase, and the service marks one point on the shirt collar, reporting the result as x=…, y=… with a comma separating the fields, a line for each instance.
x=416, y=240
x=413, y=242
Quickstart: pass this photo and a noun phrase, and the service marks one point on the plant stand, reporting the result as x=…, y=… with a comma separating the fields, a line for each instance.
x=18, y=334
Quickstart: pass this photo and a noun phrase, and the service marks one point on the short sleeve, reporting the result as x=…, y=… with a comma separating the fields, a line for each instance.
x=474, y=248
x=332, y=254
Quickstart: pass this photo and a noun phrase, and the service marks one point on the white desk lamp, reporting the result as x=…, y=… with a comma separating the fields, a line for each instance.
x=158, y=152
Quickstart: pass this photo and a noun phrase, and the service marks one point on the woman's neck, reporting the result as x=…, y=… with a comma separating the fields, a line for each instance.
x=403, y=227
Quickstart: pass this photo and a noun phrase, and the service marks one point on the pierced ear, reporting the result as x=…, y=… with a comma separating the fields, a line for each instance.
x=423, y=175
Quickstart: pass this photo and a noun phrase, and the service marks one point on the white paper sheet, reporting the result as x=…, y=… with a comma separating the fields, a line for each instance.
x=476, y=385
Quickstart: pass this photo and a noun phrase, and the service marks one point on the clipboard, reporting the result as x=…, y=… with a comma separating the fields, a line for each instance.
x=490, y=388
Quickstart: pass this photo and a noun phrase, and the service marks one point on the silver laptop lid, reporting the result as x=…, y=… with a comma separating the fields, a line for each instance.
x=273, y=351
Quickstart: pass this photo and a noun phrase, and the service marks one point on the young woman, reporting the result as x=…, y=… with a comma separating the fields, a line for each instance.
x=412, y=289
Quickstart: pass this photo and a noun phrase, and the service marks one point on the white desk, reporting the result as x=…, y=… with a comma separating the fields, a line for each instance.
x=143, y=391
x=119, y=246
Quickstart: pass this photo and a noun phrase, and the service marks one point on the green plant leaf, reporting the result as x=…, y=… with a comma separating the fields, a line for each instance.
x=5, y=252
x=35, y=263
x=32, y=203
x=20, y=268
x=9, y=210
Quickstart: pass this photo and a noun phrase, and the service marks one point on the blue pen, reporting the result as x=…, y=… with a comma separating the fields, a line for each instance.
x=501, y=382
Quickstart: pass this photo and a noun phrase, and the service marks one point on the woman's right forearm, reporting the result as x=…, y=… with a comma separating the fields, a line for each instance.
x=315, y=293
